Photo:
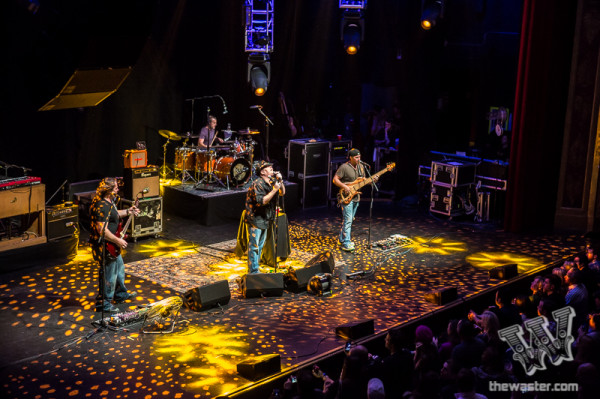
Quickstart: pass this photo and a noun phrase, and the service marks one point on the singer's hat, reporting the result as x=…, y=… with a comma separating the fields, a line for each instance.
x=263, y=164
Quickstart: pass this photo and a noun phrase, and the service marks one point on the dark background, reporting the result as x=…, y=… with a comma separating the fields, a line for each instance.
x=443, y=80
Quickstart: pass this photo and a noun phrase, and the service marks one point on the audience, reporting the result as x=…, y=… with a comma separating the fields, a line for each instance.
x=471, y=354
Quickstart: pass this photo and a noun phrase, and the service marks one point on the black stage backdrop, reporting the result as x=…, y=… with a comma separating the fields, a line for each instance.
x=443, y=80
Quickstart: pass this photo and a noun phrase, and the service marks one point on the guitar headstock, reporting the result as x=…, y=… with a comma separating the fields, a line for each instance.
x=390, y=166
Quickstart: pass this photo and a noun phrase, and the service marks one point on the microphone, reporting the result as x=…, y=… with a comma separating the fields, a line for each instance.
x=224, y=105
x=146, y=190
x=365, y=164
x=256, y=107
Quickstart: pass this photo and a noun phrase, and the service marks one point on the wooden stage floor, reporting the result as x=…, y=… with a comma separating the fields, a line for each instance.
x=51, y=350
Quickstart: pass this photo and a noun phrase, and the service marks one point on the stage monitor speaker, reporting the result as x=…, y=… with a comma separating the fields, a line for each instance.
x=442, y=296
x=325, y=259
x=355, y=330
x=88, y=88
x=135, y=180
x=207, y=296
x=505, y=272
x=296, y=280
x=262, y=284
x=259, y=367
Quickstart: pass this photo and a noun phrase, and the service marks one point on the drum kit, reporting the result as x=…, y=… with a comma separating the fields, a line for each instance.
x=229, y=164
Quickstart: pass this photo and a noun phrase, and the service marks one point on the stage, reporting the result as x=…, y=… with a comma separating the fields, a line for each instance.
x=52, y=350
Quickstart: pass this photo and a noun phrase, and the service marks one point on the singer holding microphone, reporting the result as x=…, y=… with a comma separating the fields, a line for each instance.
x=208, y=133
x=347, y=173
x=261, y=204
x=106, y=245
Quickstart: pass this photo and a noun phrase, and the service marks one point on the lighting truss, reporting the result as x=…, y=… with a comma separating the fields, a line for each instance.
x=259, y=26
x=353, y=4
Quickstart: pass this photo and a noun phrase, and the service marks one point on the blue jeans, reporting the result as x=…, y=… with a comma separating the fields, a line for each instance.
x=114, y=283
x=348, y=212
x=256, y=242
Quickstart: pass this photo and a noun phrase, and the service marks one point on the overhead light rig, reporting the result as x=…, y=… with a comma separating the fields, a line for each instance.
x=352, y=27
x=259, y=43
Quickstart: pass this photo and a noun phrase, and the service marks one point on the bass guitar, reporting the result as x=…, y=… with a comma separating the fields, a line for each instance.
x=345, y=198
x=112, y=249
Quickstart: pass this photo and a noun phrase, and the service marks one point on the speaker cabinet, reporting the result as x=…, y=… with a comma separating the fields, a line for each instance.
x=61, y=221
x=207, y=296
x=442, y=296
x=325, y=259
x=504, y=272
x=135, y=180
x=296, y=280
x=262, y=284
x=355, y=330
x=259, y=367
x=307, y=157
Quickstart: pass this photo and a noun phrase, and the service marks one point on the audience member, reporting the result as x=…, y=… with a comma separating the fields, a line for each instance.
x=553, y=289
x=452, y=339
x=492, y=369
x=537, y=290
x=577, y=296
x=426, y=353
x=465, y=382
x=588, y=379
x=507, y=312
x=397, y=369
x=375, y=389
x=467, y=354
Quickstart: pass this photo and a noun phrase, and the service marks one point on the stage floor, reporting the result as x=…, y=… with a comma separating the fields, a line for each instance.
x=50, y=348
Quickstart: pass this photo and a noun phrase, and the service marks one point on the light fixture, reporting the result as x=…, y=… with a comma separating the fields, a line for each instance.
x=431, y=12
x=259, y=43
x=352, y=26
x=259, y=72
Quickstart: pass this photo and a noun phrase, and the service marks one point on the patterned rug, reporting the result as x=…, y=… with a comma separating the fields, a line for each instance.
x=208, y=265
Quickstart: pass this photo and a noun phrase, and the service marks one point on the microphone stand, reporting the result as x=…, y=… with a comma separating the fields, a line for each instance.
x=102, y=241
x=373, y=189
x=267, y=123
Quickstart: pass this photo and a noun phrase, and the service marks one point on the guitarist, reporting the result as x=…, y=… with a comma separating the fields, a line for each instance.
x=347, y=173
x=107, y=245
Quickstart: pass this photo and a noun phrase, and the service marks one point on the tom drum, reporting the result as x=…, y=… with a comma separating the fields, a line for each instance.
x=185, y=158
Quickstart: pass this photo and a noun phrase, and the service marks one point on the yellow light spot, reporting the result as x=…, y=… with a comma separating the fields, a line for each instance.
x=489, y=260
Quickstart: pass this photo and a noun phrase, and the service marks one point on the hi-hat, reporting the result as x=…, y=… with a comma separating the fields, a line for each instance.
x=169, y=134
x=248, y=131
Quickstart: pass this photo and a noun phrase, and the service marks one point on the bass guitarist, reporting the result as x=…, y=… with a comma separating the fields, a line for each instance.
x=347, y=173
x=107, y=243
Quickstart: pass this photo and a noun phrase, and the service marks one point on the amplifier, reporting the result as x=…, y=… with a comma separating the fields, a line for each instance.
x=149, y=220
x=135, y=180
x=307, y=157
x=135, y=159
x=340, y=148
x=62, y=221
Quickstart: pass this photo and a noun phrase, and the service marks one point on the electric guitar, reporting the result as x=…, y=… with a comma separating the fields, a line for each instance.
x=345, y=198
x=112, y=249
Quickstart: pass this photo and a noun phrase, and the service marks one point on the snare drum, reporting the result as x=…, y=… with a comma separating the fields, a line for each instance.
x=236, y=170
x=185, y=158
x=203, y=159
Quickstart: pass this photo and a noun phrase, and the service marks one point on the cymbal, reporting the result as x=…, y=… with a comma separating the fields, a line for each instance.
x=248, y=131
x=169, y=134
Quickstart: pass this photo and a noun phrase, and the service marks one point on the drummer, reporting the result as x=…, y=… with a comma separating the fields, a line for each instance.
x=208, y=133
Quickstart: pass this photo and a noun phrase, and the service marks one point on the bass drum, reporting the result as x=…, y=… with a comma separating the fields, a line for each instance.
x=236, y=170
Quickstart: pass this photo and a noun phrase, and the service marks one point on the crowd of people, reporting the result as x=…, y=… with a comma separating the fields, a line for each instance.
x=470, y=359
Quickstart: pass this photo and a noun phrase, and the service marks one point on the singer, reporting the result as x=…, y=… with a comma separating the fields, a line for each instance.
x=261, y=203
x=208, y=133
x=348, y=173
x=107, y=245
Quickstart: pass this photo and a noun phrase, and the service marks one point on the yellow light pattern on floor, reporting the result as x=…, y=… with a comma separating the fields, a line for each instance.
x=235, y=267
x=437, y=245
x=167, y=248
x=218, y=349
x=489, y=260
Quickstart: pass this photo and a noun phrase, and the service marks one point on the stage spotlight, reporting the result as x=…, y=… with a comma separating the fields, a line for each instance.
x=431, y=12
x=259, y=71
x=352, y=30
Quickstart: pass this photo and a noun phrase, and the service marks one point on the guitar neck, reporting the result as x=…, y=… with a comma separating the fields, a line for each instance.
x=369, y=180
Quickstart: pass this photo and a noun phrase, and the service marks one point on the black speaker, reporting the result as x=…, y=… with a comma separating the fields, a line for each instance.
x=504, y=272
x=62, y=221
x=296, y=280
x=325, y=259
x=442, y=296
x=135, y=180
x=355, y=330
x=259, y=367
x=207, y=296
x=262, y=284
